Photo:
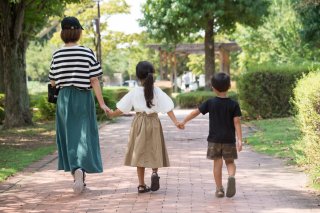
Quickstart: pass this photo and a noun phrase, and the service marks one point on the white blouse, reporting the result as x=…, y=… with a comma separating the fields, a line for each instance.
x=135, y=98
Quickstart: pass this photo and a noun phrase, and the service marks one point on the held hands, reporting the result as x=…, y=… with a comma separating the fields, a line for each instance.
x=110, y=113
x=105, y=108
x=180, y=125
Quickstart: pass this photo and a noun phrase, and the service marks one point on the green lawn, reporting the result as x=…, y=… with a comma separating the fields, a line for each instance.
x=15, y=159
x=276, y=137
x=19, y=147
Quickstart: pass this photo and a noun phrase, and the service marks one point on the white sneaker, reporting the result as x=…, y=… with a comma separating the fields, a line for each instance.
x=78, y=184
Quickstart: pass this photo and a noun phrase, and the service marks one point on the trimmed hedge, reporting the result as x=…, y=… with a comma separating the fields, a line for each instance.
x=117, y=92
x=265, y=92
x=194, y=99
x=307, y=103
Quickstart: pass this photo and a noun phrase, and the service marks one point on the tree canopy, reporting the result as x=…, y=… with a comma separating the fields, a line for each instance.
x=171, y=21
x=309, y=13
x=277, y=40
x=20, y=21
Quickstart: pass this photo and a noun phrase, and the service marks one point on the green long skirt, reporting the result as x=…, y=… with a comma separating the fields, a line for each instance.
x=77, y=131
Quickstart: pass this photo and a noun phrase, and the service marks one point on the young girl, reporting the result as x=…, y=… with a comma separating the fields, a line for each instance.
x=146, y=146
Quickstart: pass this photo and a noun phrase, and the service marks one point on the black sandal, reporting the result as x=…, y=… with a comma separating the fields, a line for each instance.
x=143, y=188
x=155, y=183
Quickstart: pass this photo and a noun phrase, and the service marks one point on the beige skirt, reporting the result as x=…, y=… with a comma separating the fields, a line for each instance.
x=146, y=146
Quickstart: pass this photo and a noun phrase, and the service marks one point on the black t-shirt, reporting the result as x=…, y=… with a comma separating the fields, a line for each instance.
x=221, y=114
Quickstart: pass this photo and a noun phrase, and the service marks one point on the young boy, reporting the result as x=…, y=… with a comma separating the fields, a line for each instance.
x=224, y=122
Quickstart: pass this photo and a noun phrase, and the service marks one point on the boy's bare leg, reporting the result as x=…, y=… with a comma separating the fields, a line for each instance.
x=217, y=172
x=231, y=185
x=231, y=167
x=140, y=172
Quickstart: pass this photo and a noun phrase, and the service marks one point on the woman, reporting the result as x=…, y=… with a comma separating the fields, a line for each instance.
x=75, y=70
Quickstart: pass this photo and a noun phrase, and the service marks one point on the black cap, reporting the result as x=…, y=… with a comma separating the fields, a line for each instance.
x=70, y=22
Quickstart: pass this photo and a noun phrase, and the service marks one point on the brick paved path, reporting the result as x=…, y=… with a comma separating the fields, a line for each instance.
x=263, y=184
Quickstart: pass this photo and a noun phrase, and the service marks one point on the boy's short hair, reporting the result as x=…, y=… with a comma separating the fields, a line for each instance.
x=221, y=81
x=70, y=35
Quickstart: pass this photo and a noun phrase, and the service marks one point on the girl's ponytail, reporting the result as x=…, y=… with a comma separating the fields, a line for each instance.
x=144, y=72
x=148, y=90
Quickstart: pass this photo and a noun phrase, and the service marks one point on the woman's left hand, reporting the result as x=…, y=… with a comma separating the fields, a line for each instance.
x=105, y=108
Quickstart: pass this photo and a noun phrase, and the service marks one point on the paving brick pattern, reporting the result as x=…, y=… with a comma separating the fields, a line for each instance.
x=264, y=184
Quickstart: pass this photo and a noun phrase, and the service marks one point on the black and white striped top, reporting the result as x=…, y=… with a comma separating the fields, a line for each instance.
x=74, y=66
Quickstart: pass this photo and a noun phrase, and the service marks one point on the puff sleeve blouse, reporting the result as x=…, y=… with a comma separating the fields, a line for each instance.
x=135, y=99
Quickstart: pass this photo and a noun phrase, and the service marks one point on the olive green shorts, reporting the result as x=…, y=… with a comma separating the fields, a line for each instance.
x=227, y=151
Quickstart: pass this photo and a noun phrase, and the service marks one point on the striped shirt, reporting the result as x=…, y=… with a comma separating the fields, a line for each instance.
x=74, y=66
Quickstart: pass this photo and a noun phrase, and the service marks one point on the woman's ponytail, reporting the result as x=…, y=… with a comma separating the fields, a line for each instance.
x=144, y=72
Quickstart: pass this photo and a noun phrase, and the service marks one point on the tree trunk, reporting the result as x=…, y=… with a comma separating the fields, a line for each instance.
x=13, y=44
x=209, y=52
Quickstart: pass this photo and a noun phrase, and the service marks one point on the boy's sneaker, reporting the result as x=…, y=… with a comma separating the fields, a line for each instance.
x=155, y=183
x=78, y=184
x=231, y=186
x=220, y=192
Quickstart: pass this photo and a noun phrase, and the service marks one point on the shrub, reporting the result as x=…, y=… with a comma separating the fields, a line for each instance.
x=1, y=100
x=1, y=115
x=47, y=110
x=265, y=92
x=307, y=103
x=118, y=92
x=193, y=99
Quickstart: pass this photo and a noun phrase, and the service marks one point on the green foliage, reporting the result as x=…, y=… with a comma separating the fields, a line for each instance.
x=172, y=20
x=196, y=64
x=47, y=110
x=1, y=108
x=37, y=13
x=276, y=137
x=307, y=103
x=38, y=61
x=276, y=41
x=109, y=99
x=124, y=59
x=86, y=12
x=265, y=91
x=194, y=99
x=117, y=92
x=308, y=13
x=1, y=100
x=42, y=109
x=1, y=115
